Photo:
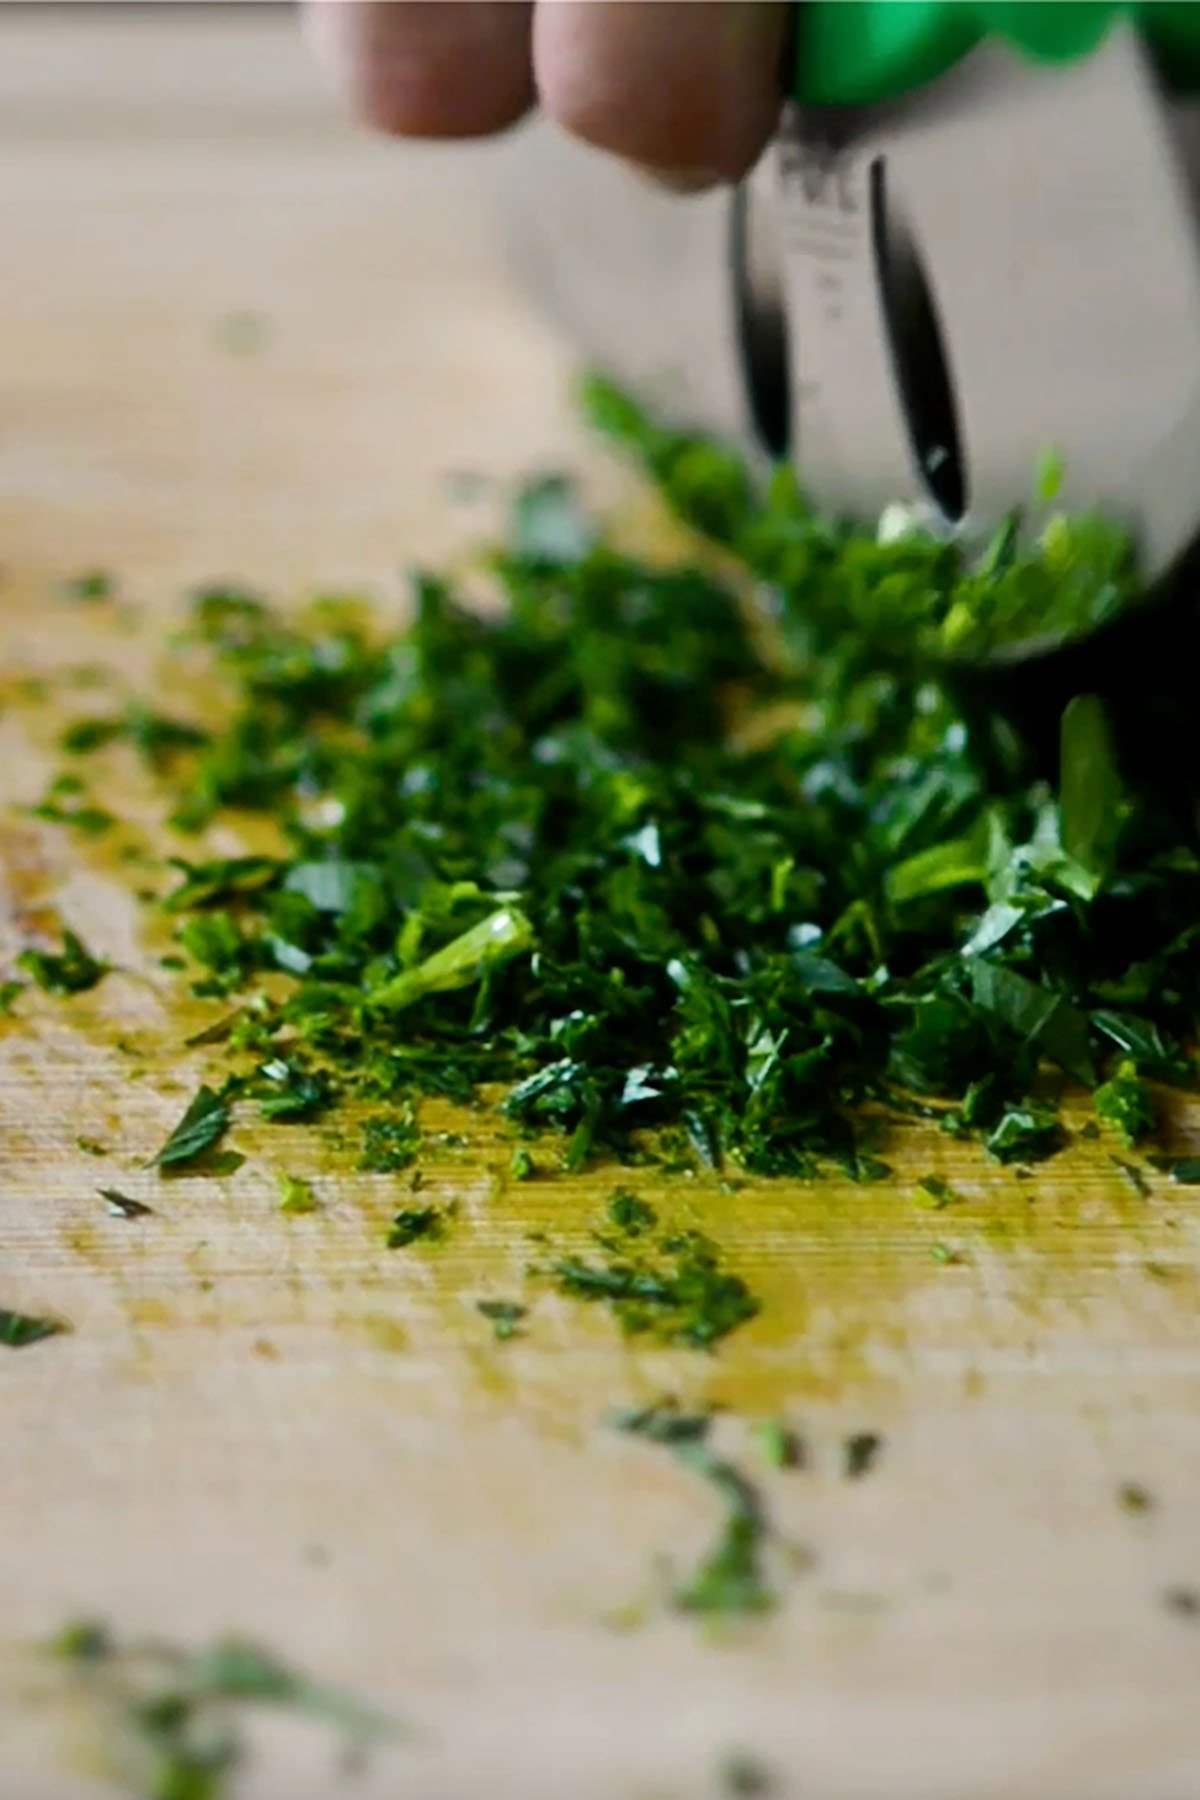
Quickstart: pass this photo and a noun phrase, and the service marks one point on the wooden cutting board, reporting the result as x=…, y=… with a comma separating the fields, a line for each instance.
x=275, y=1426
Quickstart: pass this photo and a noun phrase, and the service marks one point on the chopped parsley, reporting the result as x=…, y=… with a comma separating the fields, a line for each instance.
x=174, y=1720
x=781, y=1447
x=505, y=1317
x=390, y=1141
x=202, y=1126
x=648, y=864
x=861, y=1452
x=670, y=1286
x=414, y=1223
x=17, y=1329
x=71, y=970
x=296, y=1195
x=10, y=993
x=521, y=1165
x=1123, y=1103
x=123, y=1206
x=730, y=1580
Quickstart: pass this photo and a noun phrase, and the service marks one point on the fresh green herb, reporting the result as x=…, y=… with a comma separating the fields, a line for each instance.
x=1123, y=1103
x=939, y=1191
x=71, y=970
x=413, y=1223
x=1025, y=1134
x=287, y=1090
x=1049, y=476
x=861, y=1452
x=741, y=879
x=10, y=993
x=174, y=1719
x=629, y=1215
x=202, y=1126
x=1186, y=1171
x=731, y=1579
x=781, y=1447
x=521, y=1164
x=123, y=1206
x=91, y=1146
x=672, y=1288
x=390, y=1141
x=296, y=1195
x=93, y=821
x=1132, y=1497
x=947, y=1257
x=505, y=1316
x=18, y=1329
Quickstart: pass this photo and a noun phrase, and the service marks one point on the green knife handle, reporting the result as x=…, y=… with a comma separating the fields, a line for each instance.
x=860, y=52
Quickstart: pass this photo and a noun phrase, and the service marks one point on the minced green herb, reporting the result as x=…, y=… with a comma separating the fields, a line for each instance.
x=939, y=1191
x=71, y=970
x=390, y=1141
x=1185, y=1170
x=521, y=1164
x=731, y=1579
x=175, y=1720
x=781, y=1447
x=946, y=1255
x=1132, y=1497
x=505, y=1317
x=10, y=993
x=671, y=1286
x=296, y=1195
x=93, y=584
x=413, y=1223
x=649, y=859
x=18, y=1329
x=123, y=1206
x=744, y=1776
x=861, y=1452
x=1123, y=1103
x=203, y=1124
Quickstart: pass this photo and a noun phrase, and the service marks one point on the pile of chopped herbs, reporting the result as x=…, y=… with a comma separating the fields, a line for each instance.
x=721, y=860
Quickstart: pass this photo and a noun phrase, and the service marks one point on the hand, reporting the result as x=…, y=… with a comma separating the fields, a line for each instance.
x=689, y=89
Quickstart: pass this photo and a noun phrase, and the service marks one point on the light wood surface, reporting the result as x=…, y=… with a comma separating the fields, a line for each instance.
x=274, y=1425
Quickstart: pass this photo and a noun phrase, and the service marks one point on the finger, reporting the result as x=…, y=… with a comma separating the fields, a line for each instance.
x=422, y=68
x=689, y=88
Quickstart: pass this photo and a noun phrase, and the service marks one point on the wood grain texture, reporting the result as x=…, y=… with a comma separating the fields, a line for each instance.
x=275, y=1426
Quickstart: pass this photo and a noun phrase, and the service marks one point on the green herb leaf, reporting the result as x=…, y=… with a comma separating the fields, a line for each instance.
x=202, y=1126
x=73, y=970
x=18, y=1329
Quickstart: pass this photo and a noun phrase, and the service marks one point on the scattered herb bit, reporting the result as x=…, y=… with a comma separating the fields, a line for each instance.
x=939, y=1191
x=861, y=1452
x=521, y=1164
x=287, y=1091
x=93, y=821
x=123, y=1206
x=91, y=1146
x=730, y=1580
x=71, y=970
x=672, y=1288
x=413, y=1223
x=201, y=1127
x=781, y=1447
x=629, y=1215
x=93, y=584
x=1134, y=1176
x=1133, y=1498
x=505, y=1316
x=743, y=1776
x=1026, y=1134
x=1184, y=1602
x=1186, y=1171
x=10, y=993
x=174, y=1719
x=1123, y=1103
x=18, y=1329
x=947, y=1257
x=390, y=1141
x=296, y=1195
